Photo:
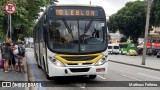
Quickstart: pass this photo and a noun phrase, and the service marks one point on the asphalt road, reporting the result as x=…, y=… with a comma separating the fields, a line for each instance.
x=118, y=75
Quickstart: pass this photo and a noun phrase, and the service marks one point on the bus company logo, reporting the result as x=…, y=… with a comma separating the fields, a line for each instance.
x=6, y=84
x=83, y=48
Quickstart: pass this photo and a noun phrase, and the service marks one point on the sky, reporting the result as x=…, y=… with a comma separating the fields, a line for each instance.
x=110, y=6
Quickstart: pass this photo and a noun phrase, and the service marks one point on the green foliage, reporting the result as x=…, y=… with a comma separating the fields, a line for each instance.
x=155, y=13
x=130, y=20
x=23, y=20
x=123, y=39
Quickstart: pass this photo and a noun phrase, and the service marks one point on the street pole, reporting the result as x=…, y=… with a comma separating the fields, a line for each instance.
x=10, y=27
x=146, y=32
x=10, y=34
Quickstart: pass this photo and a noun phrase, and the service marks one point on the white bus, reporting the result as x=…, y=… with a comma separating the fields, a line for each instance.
x=71, y=40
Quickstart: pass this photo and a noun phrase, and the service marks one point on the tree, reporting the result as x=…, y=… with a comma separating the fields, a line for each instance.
x=3, y=20
x=155, y=13
x=23, y=20
x=130, y=20
x=123, y=39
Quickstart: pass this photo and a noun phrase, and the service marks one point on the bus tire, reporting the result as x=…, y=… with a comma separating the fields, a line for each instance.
x=44, y=65
x=47, y=76
x=39, y=66
x=92, y=76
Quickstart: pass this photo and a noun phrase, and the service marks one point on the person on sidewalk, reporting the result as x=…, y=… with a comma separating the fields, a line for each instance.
x=15, y=51
x=12, y=59
x=7, y=54
x=20, y=57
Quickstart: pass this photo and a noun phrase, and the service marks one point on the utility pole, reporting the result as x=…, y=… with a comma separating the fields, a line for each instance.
x=90, y=3
x=146, y=32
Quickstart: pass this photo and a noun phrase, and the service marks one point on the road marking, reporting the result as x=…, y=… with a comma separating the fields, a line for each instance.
x=131, y=77
x=148, y=75
x=81, y=85
x=101, y=77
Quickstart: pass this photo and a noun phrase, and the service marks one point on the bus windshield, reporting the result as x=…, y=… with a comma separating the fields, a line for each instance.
x=116, y=47
x=77, y=36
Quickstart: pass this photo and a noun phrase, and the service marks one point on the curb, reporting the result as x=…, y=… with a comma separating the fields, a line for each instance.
x=26, y=73
x=30, y=75
x=135, y=65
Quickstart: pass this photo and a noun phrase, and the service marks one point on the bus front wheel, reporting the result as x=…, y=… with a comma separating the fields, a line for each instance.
x=49, y=78
x=92, y=76
x=37, y=62
x=39, y=66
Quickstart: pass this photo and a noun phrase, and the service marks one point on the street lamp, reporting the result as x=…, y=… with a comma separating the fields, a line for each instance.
x=146, y=32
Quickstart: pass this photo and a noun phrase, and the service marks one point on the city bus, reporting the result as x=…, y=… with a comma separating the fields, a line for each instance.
x=71, y=40
x=126, y=46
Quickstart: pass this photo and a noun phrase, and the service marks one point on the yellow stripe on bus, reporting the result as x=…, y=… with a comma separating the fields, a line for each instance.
x=59, y=57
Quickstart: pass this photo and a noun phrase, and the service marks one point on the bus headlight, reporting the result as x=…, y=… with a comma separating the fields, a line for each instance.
x=56, y=62
x=101, y=62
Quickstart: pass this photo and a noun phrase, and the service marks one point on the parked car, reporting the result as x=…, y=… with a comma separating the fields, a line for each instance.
x=158, y=54
x=155, y=51
x=113, y=48
x=132, y=52
x=150, y=52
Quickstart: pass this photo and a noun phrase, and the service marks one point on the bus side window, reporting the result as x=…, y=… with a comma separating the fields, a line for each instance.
x=45, y=31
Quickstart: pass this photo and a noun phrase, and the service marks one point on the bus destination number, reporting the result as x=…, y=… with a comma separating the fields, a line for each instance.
x=76, y=12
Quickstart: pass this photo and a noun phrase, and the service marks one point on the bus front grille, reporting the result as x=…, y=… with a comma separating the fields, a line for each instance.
x=78, y=58
x=72, y=64
x=79, y=69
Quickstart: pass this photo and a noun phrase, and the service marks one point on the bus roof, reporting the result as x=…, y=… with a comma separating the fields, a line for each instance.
x=77, y=5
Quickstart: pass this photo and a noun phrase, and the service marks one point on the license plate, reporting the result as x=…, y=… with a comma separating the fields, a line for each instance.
x=100, y=70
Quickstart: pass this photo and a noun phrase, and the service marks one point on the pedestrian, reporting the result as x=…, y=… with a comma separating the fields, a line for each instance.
x=15, y=51
x=7, y=51
x=20, y=57
x=12, y=59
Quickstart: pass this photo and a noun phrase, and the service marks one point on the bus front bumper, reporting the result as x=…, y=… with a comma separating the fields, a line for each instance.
x=77, y=70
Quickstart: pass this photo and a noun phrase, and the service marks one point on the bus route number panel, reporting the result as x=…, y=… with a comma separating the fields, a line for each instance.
x=75, y=12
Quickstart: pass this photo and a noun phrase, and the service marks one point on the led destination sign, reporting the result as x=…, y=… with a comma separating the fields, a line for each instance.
x=76, y=12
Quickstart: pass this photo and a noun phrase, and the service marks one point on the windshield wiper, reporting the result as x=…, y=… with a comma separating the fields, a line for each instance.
x=88, y=26
x=68, y=28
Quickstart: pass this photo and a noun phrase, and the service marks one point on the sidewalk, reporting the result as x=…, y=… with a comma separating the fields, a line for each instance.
x=14, y=76
x=151, y=62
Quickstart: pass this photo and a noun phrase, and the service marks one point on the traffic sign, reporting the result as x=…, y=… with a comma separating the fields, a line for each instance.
x=10, y=8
